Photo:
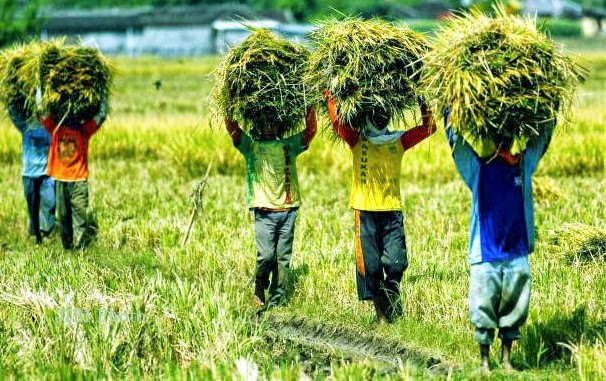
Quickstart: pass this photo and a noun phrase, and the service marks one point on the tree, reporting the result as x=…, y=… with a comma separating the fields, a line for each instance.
x=17, y=21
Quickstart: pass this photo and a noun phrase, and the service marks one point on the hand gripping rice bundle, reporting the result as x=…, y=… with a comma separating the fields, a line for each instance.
x=260, y=83
x=367, y=64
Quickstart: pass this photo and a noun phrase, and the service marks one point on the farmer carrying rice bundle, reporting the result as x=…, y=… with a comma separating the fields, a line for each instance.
x=501, y=83
x=370, y=73
x=17, y=92
x=75, y=83
x=261, y=96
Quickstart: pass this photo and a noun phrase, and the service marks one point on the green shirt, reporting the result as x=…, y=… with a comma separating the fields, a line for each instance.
x=271, y=171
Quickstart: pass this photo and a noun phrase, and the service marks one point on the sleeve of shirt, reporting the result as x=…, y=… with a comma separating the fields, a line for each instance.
x=466, y=161
x=415, y=136
x=90, y=127
x=295, y=144
x=343, y=130
x=245, y=144
x=18, y=118
x=536, y=148
x=49, y=124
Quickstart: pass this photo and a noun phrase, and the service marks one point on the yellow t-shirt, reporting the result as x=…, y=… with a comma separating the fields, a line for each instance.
x=376, y=176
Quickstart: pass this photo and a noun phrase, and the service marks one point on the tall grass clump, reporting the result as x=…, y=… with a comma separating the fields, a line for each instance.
x=260, y=83
x=583, y=243
x=366, y=64
x=499, y=76
x=590, y=359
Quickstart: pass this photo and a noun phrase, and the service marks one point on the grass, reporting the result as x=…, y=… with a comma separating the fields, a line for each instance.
x=196, y=301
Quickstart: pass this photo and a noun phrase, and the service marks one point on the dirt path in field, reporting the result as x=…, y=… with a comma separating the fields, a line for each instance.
x=318, y=345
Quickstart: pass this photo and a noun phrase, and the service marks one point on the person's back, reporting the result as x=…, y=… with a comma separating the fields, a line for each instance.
x=68, y=165
x=68, y=157
x=501, y=233
x=376, y=174
x=38, y=187
x=272, y=180
x=380, y=242
x=272, y=194
x=35, y=144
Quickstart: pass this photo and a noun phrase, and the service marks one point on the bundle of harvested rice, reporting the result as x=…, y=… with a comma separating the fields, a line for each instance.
x=260, y=83
x=583, y=243
x=74, y=80
x=500, y=77
x=366, y=64
x=18, y=76
x=544, y=189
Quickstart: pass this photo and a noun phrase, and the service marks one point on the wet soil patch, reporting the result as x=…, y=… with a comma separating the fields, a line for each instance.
x=318, y=345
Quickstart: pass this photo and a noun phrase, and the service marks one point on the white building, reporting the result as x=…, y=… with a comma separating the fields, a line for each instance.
x=175, y=31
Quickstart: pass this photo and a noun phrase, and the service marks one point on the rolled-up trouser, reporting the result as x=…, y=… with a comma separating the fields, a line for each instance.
x=274, y=235
x=40, y=198
x=499, y=295
x=73, y=217
x=380, y=246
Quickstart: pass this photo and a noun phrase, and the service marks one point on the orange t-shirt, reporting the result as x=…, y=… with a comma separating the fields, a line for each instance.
x=68, y=155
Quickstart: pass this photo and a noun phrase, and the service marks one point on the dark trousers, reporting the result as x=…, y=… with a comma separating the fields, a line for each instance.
x=274, y=235
x=40, y=198
x=73, y=217
x=380, y=255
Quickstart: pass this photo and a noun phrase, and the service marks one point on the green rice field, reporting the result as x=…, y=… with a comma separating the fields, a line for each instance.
x=138, y=304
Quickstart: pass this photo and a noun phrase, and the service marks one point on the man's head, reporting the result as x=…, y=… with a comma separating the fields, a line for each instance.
x=267, y=132
x=380, y=117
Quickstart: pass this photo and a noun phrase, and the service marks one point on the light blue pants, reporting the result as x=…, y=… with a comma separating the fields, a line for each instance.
x=499, y=295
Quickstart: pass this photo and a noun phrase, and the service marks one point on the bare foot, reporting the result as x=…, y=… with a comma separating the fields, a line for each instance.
x=485, y=359
x=485, y=369
x=380, y=311
x=506, y=355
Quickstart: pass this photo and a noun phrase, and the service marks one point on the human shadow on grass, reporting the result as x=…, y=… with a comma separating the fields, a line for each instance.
x=295, y=275
x=433, y=275
x=543, y=343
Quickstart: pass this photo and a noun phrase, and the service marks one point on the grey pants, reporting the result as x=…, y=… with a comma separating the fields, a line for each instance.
x=73, y=217
x=274, y=235
x=499, y=296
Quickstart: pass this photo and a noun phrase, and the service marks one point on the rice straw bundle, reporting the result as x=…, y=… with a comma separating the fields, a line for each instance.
x=366, y=64
x=18, y=77
x=260, y=83
x=545, y=189
x=584, y=243
x=74, y=80
x=500, y=77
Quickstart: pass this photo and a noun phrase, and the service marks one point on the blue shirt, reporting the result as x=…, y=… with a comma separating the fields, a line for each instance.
x=502, y=210
x=36, y=143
